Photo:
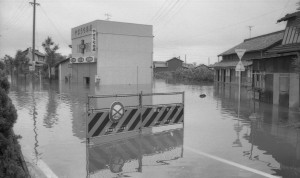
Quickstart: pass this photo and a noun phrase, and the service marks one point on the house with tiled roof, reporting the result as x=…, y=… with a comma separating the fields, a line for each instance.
x=255, y=47
x=275, y=76
x=40, y=58
x=170, y=65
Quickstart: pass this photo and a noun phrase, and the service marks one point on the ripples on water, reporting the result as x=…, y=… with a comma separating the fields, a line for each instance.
x=51, y=120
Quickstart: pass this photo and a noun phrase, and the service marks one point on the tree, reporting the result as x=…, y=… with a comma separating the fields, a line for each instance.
x=10, y=165
x=50, y=49
x=9, y=63
x=21, y=61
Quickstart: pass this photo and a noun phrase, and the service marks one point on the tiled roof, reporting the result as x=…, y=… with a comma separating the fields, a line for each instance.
x=189, y=66
x=230, y=64
x=159, y=64
x=294, y=47
x=36, y=52
x=174, y=58
x=257, y=43
x=288, y=16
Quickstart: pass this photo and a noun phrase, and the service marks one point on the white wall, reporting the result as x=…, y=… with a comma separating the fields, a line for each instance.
x=124, y=59
x=124, y=51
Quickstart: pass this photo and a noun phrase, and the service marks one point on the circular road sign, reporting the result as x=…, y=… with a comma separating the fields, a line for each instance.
x=116, y=112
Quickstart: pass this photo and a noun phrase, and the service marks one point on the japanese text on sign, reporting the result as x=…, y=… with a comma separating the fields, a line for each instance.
x=94, y=39
x=84, y=30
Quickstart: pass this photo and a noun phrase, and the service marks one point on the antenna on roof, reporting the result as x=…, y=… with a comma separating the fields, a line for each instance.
x=250, y=28
x=108, y=16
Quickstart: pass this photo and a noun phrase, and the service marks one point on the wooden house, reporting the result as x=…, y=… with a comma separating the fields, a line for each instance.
x=170, y=65
x=275, y=75
x=256, y=48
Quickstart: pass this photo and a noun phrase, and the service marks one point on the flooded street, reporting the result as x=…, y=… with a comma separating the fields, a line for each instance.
x=218, y=139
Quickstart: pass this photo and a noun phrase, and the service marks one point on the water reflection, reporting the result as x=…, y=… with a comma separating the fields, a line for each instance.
x=273, y=130
x=117, y=156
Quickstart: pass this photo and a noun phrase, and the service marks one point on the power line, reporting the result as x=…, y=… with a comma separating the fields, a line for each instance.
x=160, y=10
x=167, y=21
x=163, y=15
x=64, y=40
x=231, y=25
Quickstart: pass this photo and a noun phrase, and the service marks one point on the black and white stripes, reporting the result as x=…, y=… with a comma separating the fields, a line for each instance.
x=134, y=118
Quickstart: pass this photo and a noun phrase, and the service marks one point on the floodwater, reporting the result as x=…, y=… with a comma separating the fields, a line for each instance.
x=221, y=136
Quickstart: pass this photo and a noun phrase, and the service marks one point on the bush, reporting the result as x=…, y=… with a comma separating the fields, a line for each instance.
x=10, y=162
x=195, y=74
x=2, y=65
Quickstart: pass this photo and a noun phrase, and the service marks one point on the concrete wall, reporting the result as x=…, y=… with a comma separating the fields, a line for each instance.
x=124, y=53
x=294, y=91
x=65, y=70
x=81, y=71
x=124, y=59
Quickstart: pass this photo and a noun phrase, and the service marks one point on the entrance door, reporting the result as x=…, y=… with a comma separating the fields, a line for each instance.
x=284, y=90
x=86, y=80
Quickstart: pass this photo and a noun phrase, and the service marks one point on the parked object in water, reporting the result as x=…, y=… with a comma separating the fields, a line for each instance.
x=202, y=95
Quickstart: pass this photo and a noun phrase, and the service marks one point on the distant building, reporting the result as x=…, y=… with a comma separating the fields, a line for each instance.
x=63, y=70
x=111, y=53
x=256, y=48
x=204, y=66
x=40, y=58
x=188, y=66
x=269, y=62
x=170, y=65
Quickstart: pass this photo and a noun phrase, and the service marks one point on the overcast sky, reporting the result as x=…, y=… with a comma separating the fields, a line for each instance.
x=199, y=29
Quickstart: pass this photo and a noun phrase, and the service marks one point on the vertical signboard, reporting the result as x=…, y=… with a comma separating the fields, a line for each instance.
x=93, y=40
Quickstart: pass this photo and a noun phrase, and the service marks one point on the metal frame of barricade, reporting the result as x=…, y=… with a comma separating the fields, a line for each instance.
x=140, y=106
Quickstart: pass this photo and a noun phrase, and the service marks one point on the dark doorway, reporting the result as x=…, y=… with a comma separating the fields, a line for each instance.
x=284, y=90
x=87, y=80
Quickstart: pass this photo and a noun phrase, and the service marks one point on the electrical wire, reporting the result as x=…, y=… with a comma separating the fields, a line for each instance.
x=64, y=40
x=165, y=13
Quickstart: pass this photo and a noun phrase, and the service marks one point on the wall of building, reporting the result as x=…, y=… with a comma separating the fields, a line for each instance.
x=65, y=71
x=124, y=52
x=174, y=64
x=124, y=59
x=230, y=76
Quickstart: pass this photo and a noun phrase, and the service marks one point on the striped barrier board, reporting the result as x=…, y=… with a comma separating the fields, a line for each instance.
x=134, y=118
x=151, y=149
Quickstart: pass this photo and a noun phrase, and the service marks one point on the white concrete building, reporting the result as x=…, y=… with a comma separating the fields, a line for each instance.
x=112, y=52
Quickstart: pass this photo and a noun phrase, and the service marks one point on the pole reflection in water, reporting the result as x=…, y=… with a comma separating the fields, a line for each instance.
x=120, y=157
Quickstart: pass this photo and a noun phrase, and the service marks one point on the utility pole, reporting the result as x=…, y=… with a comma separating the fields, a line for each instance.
x=33, y=33
x=185, y=58
x=208, y=61
x=250, y=28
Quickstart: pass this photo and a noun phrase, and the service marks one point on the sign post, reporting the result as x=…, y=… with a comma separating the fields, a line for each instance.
x=239, y=68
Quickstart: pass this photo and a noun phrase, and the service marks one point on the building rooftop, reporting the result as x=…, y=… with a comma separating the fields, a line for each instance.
x=258, y=43
x=36, y=52
x=293, y=47
x=159, y=64
x=174, y=58
x=230, y=64
x=288, y=16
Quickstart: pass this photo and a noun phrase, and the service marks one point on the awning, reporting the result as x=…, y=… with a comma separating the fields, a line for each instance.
x=230, y=64
x=294, y=47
